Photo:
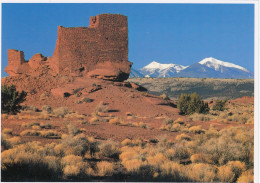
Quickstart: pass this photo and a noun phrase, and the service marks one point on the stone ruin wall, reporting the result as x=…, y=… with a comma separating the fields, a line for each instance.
x=100, y=49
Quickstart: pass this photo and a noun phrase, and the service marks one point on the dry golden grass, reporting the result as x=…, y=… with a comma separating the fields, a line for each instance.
x=225, y=174
x=179, y=120
x=237, y=167
x=196, y=129
x=200, y=158
x=183, y=137
x=105, y=168
x=114, y=121
x=133, y=165
x=70, y=160
x=246, y=177
x=93, y=119
x=29, y=133
x=156, y=160
x=202, y=172
x=61, y=111
x=7, y=131
x=50, y=134
x=15, y=141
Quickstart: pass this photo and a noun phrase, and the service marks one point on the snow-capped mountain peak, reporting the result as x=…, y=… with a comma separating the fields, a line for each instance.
x=217, y=64
x=156, y=65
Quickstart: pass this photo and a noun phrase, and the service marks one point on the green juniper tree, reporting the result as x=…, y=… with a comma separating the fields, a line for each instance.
x=11, y=99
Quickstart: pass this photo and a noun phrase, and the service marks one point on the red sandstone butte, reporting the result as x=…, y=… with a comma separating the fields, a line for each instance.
x=100, y=51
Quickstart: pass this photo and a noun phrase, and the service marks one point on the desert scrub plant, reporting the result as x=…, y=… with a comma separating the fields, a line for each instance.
x=219, y=105
x=11, y=99
x=237, y=167
x=196, y=129
x=200, y=158
x=101, y=108
x=5, y=144
x=172, y=171
x=61, y=111
x=246, y=177
x=109, y=149
x=190, y=103
x=30, y=108
x=29, y=133
x=72, y=130
x=47, y=109
x=77, y=145
x=105, y=168
x=73, y=166
x=202, y=172
x=164, y=97
x=50, y=134
x=225, y=174
x=27, y=163
x=114, y=121
x=183, y=137
x=7, y=131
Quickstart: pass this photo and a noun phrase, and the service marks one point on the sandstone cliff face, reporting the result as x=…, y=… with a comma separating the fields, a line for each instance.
x=100, y=51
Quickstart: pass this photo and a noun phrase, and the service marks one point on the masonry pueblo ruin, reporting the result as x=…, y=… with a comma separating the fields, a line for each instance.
x=100, y=51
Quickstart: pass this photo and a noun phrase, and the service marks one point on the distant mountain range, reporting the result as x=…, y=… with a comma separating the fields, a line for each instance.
x=206, y=68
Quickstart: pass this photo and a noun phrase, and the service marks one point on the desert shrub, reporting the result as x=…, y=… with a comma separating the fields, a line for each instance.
x=183, y=137
x=11, y=99
x=170, y=154
x=172, y=171
x=164, y=97
x=200, y=158
x=105, y=168
x=73, y=130
x=237, y=167
x=7, y=131
x=196, y=129
x=86, y=100
x=29, y=125
x=131, y=143
x=5, y=144
x=53, y=163
x=156, y=160
x=47, y=109
x=24, y=162
x=114, y=121
x=14, y=141
x=202, y=172
x=191, y=103
x=246, y=177
x=179, y=121
x=168, y=121
x=30, y=108
x=232, y=144
x=181, y=152
x=225, y=174
x=61, y=111
x=50, y=134
x=46, y=126
x=142, y=125
x=109, y=149
x=133, y=165
x=73, y=166
x=93, y=119
x=219, y=105
x=29, y=133
x=77, y=145
x=201, y=117
x=101, y=108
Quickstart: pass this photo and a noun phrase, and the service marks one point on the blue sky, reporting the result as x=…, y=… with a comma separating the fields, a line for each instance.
x=167, y=33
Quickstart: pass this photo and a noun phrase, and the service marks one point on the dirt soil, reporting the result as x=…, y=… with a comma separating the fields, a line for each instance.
x=121, y=98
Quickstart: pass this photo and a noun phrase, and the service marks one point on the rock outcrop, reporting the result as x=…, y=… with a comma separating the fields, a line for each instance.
x=100, y=51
